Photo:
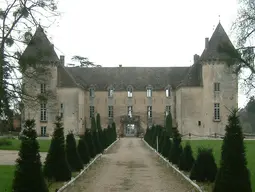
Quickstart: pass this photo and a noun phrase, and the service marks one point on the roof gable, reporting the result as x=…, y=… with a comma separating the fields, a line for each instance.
x=219, y=38
x=39, y=48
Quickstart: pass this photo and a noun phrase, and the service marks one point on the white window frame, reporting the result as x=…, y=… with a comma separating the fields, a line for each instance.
x=43, y=130
x=110, y=112
x=130, y=92
x=149, y=111
x=216, y=87
x=130, y=110
x=110, y=92
x=43, y=115
x=91, y=92
x=149, y=92
x=91, y=111
x=43, y=88
x=216, y=114
x=167, y=110
x=168, y=92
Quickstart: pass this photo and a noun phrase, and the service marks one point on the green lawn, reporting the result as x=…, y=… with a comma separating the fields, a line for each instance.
x=15, y=145
x=216, y=146
x=6, y=176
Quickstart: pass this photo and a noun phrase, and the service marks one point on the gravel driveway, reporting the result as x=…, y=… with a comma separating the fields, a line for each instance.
x=9, y=157
x=129, y=166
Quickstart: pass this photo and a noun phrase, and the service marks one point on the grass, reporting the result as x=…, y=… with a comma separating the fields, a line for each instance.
x=6, y=176
x=15, y=144
x=216, y=146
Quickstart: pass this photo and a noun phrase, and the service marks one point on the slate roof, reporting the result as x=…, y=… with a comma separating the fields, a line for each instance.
x=40, y=48
x=121, y=77
x=219, y=37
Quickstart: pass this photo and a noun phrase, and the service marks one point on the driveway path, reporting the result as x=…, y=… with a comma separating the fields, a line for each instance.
x=129, y=166
x=8, y=157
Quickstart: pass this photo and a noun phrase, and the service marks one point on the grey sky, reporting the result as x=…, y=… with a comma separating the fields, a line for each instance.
x=139, y=32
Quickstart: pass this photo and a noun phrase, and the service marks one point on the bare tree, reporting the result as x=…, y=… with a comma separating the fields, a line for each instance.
x=17, y=20
x=84, y=61
x=243, y=57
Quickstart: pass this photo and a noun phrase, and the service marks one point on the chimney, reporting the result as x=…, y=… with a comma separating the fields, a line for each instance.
x=120, y=65
x=196, y=58
x=62, y=60
x=206, y=42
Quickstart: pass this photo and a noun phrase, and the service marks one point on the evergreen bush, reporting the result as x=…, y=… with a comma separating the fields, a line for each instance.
x=186, y=160
x=176, y=148
x=204, y=168
x=73, y=156
x=56, y=166
x=28, y=176
x=83, y=150
x=233, y=174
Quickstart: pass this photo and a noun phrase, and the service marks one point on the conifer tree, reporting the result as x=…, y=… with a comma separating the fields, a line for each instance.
x=233, y=174
x=204, y=168
x=83, y=150
x=56, y=165
x=28, y=175
x=176, y=148
x=169, y=128
x=73, y=156
x=90, y=143
x=186, y=159
x=114, y=131
x=167, y=143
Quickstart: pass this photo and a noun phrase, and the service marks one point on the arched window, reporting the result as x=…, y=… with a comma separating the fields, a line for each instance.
x=110, y=91
x=168, y=90
x=149, y=91
x=130, y=91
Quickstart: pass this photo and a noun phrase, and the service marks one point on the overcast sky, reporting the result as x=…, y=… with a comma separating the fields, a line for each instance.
x=139, y=32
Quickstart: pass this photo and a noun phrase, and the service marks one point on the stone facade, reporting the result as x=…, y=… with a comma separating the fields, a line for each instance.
x=199, y=97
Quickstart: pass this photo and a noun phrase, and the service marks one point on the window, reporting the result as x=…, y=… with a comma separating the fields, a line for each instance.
x=43, y=130
x=216, y=111
x=216, y=87
x=168, y=110
x=149, y=92
x=61, y=110
x=199, y=123
x=130, y=110
x=43, y=112
x=110, y=112
x=43, y=88
x=91, y=92
x=110, y=92
x=91, y=111
x=130, y=92
x=149, y=111
x=168, y=92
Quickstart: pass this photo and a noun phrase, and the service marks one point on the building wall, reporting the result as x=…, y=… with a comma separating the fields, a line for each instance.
x=227, y=97
x=32, y=104
x=120, y=102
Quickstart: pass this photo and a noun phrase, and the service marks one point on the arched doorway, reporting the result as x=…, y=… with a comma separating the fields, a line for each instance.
x=130, y=126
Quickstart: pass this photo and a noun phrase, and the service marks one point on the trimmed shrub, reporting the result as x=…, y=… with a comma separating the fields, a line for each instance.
x=176, y=148
x=204, y=168
x=28, y=175
x=73, y=156
x=233, y=174
x=186, y=160
x=83, y=151
x=56, y=166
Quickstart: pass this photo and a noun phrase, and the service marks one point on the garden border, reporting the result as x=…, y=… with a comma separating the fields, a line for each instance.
x=175, y=169
x=64, y=187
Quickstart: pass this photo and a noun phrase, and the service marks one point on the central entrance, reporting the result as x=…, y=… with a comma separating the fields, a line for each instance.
x=130, y=126
x=130, y=130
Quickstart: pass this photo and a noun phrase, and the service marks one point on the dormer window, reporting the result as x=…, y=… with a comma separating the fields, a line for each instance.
x=110, y=92
x=168, y=91
x=91, y=92
x=130, y=91
x=149, y=91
